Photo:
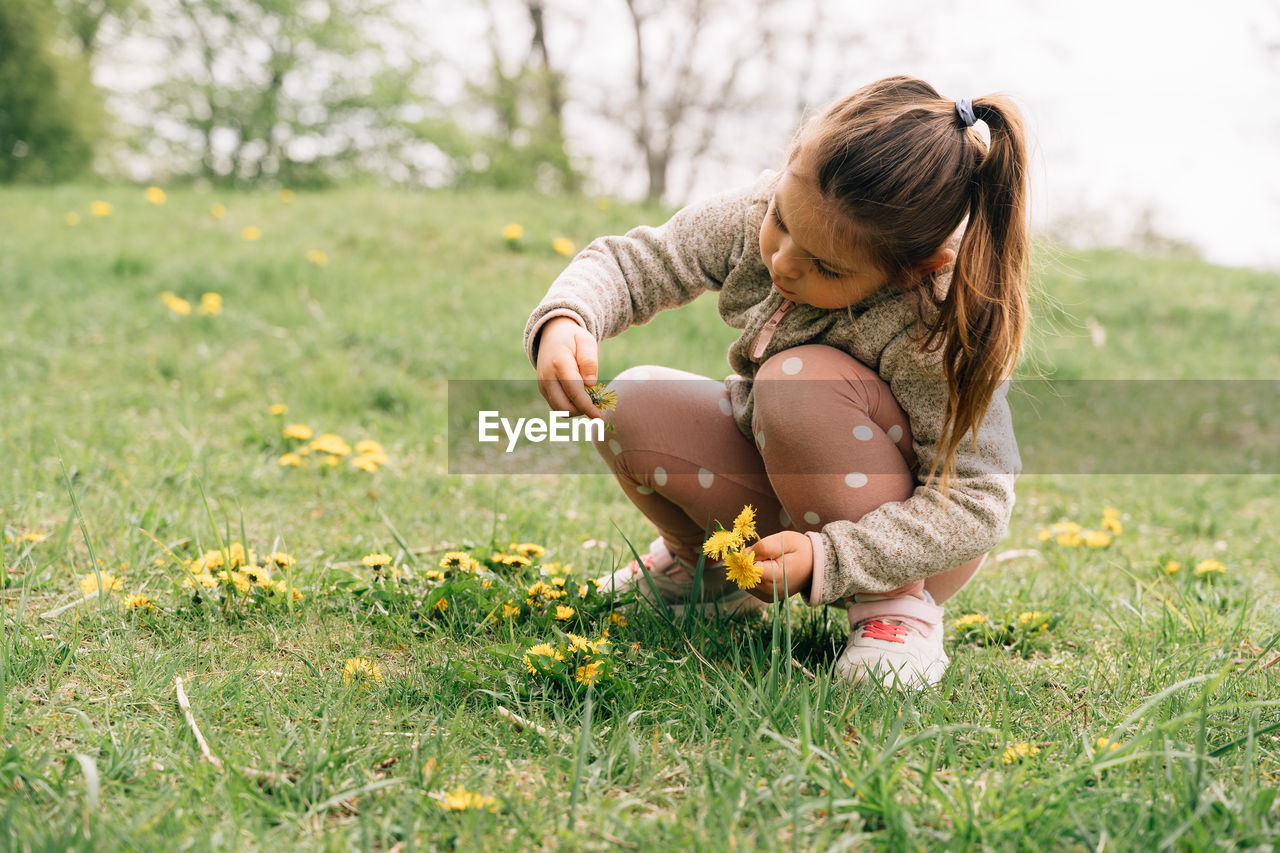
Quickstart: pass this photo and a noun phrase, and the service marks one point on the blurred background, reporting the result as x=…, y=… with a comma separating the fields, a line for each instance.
x=1154, y=126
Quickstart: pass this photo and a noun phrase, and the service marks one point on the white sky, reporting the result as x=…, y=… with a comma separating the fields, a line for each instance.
x=1133, y=105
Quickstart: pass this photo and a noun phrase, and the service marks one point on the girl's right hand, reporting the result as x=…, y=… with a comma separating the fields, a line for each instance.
x=567, y=364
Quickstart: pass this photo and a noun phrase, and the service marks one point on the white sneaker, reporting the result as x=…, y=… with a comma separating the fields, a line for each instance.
x=673, y=581
x=895, y=641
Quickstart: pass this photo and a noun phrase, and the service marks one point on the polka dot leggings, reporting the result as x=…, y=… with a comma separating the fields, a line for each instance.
x=830, y=443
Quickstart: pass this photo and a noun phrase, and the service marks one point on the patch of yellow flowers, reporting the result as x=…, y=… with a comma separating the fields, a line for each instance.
x=329, y=449
x=1069, y=534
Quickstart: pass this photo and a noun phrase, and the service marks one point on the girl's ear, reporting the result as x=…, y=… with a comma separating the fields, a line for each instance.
x=934, y=262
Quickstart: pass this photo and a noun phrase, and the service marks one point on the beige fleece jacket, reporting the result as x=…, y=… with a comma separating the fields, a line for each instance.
x=620, y=281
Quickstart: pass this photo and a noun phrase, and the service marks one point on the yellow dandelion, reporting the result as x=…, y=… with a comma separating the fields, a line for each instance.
x=721, y=542
x=101, y=208
x=95, y=581
x=257, y=575
x=237, y=555
x=558, y=582
x=155, y=195
x=213, y=559
x=281, y=559
x=618, y=619
x=433, y=575
x=278, y=409
x=290, y=460
x=1110, y=512
x=300, y=432
x=1070, y=540
x=284, y=589
x=1172, y=567
x=287, y=196
x=176, y=304
x=1065, y=527
x=1019, y=751
x=33, y=536
x=362, y=672
x=331, y=444
x=1045, y=535
x=442, y=605
x=368, y=445
x=251, y=233
x=579, y=644
x=1112, y=526
x=745, y=524
x=461, y=800
x=510, y=611
x=603, y=397
x=237, y=579
x=1105, y=744
x=1029, y=616
x=454, y=560
x=528, y=549
x=137, y=601
x=518, y=561
x=588, y=673
x=1209, y=567
x=1096, y=539
x=218, y=210
x=376, y=560
x=562, y=246
x=512, y=232
x=741, y=568
x=318, y=257
x=541, y=650
x=583, y=590
x=210, y=305
x=365, y=463
x=206, y=580
x=969, y=620
x=563, y=614
x=72, y=218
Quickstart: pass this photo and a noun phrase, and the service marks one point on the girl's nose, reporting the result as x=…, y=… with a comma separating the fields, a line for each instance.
x=785, y=262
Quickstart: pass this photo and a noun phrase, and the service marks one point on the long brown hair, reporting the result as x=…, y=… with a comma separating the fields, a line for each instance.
x=899, y=160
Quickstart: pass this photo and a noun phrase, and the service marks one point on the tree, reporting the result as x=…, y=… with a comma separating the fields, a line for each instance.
x=290, y=91
x=49, y=111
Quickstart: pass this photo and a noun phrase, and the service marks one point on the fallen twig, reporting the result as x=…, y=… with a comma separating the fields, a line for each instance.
x=521, y=724
x=1016, y=553
x=807, y=674
x=185, y=705
x=58, y=611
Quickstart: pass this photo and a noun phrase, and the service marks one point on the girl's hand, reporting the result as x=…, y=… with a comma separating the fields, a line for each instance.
x=567, y=364
x=790, y=549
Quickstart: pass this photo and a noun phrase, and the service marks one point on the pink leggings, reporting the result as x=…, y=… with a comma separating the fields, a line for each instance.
x=830, y=443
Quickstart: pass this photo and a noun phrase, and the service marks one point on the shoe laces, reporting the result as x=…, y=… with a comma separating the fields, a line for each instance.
x=874, y=629
x=647, y=559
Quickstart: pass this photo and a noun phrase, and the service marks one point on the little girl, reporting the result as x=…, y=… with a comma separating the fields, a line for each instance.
x=866, y=418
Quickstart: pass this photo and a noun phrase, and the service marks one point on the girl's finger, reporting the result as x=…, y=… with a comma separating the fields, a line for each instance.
x=577, y=394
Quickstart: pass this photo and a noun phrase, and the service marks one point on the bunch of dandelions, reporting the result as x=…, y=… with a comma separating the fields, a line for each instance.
x=731, y=546
x=236, y=572
x=1024, y=633
x=1070, y=534
x=571, y=663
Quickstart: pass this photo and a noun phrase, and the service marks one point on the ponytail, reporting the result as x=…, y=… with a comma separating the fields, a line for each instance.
x=908, y=167
x=982, y=319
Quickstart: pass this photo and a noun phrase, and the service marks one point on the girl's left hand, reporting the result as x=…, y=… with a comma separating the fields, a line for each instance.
x=789, y=548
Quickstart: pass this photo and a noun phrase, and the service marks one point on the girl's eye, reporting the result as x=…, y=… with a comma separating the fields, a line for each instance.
x=777, y=217
x=823, y=271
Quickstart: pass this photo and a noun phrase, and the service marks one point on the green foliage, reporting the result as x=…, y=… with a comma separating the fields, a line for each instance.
x=700, y=734
x=50, y=114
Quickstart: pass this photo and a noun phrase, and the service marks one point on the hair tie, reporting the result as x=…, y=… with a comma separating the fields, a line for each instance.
x=964, y=109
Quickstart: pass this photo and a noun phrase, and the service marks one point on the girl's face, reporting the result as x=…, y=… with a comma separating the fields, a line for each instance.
x=810, y=248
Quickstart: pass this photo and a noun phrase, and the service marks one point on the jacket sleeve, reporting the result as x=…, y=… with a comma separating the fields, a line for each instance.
x=619, y=282
x=929, y=532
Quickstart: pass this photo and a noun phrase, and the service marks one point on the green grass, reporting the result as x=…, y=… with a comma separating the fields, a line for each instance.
x=706, y=738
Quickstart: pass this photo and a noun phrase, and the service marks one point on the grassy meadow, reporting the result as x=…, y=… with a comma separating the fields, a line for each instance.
x=1115, y=696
